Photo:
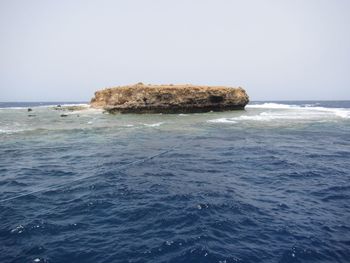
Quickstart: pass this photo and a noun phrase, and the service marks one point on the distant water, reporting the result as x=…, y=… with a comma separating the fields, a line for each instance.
x=268, y=184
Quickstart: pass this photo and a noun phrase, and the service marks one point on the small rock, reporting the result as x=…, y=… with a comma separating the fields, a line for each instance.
x=64, y=115
x=29, y=109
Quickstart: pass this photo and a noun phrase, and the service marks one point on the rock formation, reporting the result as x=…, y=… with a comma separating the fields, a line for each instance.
x=142, y=98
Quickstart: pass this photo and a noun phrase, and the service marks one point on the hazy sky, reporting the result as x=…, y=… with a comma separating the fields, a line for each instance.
x=275, y=49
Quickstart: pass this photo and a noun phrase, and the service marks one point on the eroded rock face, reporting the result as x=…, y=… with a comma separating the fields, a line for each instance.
x=142, y=98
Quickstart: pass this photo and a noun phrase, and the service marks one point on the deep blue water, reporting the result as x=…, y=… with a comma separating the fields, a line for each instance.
x=269, y=184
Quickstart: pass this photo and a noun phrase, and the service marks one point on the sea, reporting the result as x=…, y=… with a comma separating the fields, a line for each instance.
x=270, y=183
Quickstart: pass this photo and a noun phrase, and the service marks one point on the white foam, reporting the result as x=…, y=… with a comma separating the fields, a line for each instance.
x=46, y=106
x=272, y=106
x=11, y=131
x=18, y=229
x=340, y=112
x=343, y=114
x=223, y=120
x=13, y=108
x=308, y=109
x=283, y=112
x=62, y=105
x=154, y=124
x=87, y=111
x=74, y=104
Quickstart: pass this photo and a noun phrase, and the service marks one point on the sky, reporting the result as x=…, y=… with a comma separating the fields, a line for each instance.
x=276, y=49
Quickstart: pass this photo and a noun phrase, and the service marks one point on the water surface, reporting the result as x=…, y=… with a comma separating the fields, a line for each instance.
x=269, y=184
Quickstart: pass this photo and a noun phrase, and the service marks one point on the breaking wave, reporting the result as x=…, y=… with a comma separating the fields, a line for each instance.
x=341, y=112
x=223, y=120
x=276, y=111
x=153, y=124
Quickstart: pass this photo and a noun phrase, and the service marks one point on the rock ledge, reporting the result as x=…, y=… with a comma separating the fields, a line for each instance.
x=142, y=98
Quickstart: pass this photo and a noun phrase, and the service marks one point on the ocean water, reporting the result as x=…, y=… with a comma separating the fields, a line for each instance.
x=268, y=184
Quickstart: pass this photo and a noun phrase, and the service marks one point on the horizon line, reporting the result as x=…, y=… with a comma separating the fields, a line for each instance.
x=74, y=101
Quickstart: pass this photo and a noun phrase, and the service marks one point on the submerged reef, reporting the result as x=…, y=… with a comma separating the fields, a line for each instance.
x=140, y=98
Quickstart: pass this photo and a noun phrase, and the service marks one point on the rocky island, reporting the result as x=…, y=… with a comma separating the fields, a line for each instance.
x=140, y=98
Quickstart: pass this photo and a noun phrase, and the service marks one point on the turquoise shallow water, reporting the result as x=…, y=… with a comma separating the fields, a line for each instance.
x=269, y=184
